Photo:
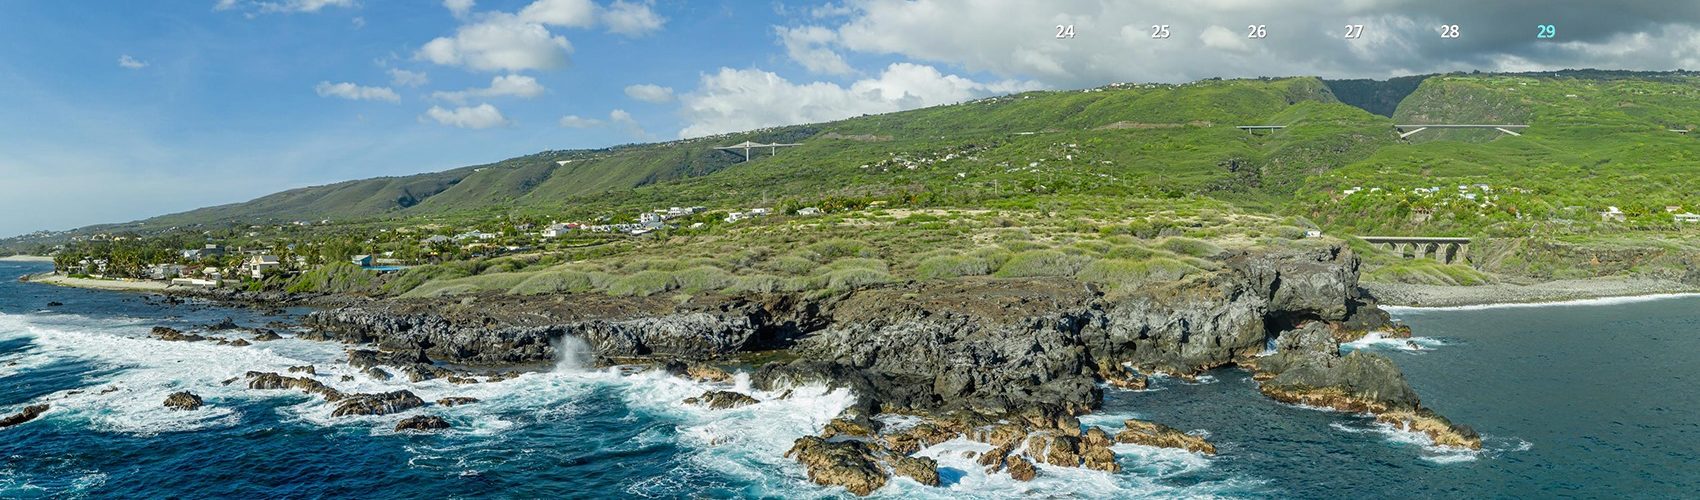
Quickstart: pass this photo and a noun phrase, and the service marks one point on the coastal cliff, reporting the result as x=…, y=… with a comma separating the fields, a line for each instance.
x=968, y=355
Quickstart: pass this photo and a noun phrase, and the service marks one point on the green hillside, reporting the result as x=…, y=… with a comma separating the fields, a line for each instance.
x=1596, y=140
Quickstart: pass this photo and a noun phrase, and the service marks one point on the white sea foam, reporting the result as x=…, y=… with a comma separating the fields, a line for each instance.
x=1375, y=341
x=1602, y=301
x=1492, y=447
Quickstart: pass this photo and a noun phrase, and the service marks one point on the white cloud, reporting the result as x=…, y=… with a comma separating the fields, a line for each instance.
x=1217, y=37
x=474, y=117
x=459, y=8
x=127, y=62
x=625, y=120
x=506, y=85
x=499, y=42
x=354, y=92
x=576, y=121
x=807, y=45
x=733, y=100
x=631, y=19
x=569, y=13
x=359, y=22
x=650, y=93
x=405, y=78
x=285, y=6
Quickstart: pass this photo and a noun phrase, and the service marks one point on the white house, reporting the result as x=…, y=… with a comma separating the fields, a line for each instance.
x=1689, y=217
x=1612, y=214
x=808, y=211
x=258, y=264
x=556, y=230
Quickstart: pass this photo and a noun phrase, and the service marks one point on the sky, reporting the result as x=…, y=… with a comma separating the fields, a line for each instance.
x=114, y=111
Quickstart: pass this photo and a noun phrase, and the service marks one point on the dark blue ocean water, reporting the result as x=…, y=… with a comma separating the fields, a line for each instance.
x=1579, y=400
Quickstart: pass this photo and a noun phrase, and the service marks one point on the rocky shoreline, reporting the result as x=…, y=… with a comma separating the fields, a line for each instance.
x=1003, y=362
x=1007, y=363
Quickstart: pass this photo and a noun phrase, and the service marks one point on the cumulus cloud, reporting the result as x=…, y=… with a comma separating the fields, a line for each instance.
x=459, y=8
x=625, y=120
x=568, y=13
x=285, y=6
x=404, y=78
x=650, y=93
x=1008, y=37
x=807, y=46
x=506, y=85
x=127, y=62
x=631, y=19
x=473, y=117
x=732, y=100
x=576, y=121
x=499, y=42
x=354, y=92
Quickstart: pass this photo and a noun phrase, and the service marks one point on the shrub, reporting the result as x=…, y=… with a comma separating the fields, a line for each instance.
x=643, y=284
x=995, y=257
x=857, y=263
x=791, y=264
x=702, y=278
x=1094, y=247
x=498, y=281
x=846, y=279
x=336, y=277
x=1124, y=273
x=1134, y=252
x=758, y=283
x=549, y=282
x=952, y=266
x=1041, y=263
x=1024, y=246
x=1188, y=246
x=836, y=248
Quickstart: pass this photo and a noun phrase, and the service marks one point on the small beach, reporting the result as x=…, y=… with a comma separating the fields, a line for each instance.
x=1404, y=294
x=100, y=284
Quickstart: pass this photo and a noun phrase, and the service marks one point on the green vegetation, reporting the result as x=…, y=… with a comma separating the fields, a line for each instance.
x=1124, y=185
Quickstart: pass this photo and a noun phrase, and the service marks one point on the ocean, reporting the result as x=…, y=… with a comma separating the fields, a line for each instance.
x=1581, y=400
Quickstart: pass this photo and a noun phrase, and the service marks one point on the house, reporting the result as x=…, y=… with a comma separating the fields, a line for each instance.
x=208, y=251
x=474, y=235
x=758, y=212
x=1671, y=209
x=362, y=260
x=436, y=239
x=1688, y=217
x=735, y=217
x=649, y=219
x=165, y=271
x=557, y=230
x=808, y=211
x=1313, y=233
x=1612, y=214
x=259, y=264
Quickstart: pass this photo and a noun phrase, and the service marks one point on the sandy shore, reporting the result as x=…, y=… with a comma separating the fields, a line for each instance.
x=26, y=258
x=100, y=284
x=1400, y=294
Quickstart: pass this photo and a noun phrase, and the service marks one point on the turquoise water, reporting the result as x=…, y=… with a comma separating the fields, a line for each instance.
x=1582, y=401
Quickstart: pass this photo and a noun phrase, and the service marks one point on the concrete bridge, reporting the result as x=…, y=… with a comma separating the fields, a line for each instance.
x=1413, y=129
x=1445, y=250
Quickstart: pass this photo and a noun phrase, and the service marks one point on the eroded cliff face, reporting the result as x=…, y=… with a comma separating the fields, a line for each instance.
x=985, y=345
x=976, y=354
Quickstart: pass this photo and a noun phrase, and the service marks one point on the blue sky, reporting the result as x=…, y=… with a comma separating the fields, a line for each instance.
x=119, y=110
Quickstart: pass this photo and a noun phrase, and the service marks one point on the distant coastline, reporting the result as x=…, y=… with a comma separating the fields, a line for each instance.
x=26, y=258
x=99, y=284
x=1436, y=296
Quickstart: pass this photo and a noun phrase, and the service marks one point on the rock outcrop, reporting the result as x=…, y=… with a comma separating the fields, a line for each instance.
x=421, y=423
x=27, y=414
x=1145, y=433
x=721, y=400
x=453, y=401
x=849, y=464
x=377, y=404
x=183, y=401
x=174, y=335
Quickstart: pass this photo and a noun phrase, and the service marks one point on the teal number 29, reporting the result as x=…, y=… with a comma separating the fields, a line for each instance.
x=1547, y=31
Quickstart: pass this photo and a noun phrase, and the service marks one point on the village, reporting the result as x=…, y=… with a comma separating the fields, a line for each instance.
x=255, y=253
